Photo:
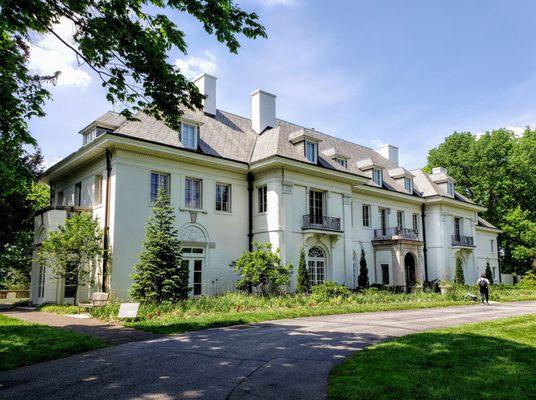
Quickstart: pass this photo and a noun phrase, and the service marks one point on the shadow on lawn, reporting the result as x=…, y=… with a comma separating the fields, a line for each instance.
x=438, y=366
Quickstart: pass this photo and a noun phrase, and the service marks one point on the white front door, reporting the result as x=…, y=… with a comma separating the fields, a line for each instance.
x=194, y=259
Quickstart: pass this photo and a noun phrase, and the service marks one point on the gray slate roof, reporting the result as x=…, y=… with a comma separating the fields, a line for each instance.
x=230, y=136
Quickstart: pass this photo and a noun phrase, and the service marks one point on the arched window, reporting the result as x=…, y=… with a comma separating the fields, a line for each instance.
x=316, y=265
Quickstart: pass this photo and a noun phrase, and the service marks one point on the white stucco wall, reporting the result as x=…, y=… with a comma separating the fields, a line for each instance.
x=485, y=253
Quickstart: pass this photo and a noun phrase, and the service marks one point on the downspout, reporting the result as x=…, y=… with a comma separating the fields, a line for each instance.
x=424, y=249
x=250, y=211
x=498, y=257
x=106, y=243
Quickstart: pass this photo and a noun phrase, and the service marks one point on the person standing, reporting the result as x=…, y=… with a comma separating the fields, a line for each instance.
x=483, y=286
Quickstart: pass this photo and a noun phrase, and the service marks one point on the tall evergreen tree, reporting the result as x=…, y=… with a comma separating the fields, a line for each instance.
x=303, y=283
x=458, y=273
x=160, y=276
x=362, y=279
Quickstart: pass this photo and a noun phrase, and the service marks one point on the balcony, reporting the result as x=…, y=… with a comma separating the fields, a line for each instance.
x=462, y=241
x=321, y=223
x=395, y=234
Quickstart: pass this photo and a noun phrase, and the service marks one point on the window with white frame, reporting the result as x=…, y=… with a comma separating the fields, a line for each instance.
x=189, y=135
x=223, y=197
x=416, y=222
x=366, y=215
x=450, y=189
x=262, y=193
x=377, y=176
x=89, y=136
x=193, y=193
x=492, y=242
x=158, y=181
x=400, y=219
x=311, y=151
x=343, y=162
x=408, y=185
x=97, y=194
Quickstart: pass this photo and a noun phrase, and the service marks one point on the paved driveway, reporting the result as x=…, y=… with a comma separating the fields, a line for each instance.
x=287, y=359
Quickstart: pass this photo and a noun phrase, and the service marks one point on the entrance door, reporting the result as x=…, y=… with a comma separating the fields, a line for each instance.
x=41, y=285
x=316, y=262
x=193, y=258
x=409, y=263
x=383, y=220
x=316, y=206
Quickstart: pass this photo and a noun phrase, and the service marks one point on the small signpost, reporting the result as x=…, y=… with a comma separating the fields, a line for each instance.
x=128, y=310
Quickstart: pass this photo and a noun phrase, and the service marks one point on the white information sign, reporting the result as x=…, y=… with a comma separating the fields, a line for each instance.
x=128, y=310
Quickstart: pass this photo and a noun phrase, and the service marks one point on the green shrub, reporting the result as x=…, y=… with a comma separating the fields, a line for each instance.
x=528, y=280
x=327, y=290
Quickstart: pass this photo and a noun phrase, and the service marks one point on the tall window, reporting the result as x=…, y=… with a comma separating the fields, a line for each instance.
x=492, y=242
x=158, y=181
x=60, y=198
x=316, y=206
x=457, y=226
x=416, y=222
x=400, y=219
x=377, y=176
x=262, y=193
x=98, y=190
x=78, y=194
x=223, y=197
x=366, y=215
x=193, y=193
x=450, y=189
x=311, y=151
x=316, y=263
x=408, y=185
x=343, y=162
x=189, y=136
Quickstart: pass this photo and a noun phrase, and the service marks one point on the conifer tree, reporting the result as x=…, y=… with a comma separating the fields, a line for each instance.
x=362, y=279
x=489, y=275
x=458, y=274
x=303, y=282
x=160, y=276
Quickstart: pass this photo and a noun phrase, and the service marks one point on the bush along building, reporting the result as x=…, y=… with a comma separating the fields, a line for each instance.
x=233, y=180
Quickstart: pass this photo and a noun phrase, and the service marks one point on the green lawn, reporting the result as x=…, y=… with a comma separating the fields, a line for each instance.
x=491, y=360
x=23, y=343
x=238, y=308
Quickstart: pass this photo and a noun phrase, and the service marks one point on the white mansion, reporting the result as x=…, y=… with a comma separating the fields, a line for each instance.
x=234, y=180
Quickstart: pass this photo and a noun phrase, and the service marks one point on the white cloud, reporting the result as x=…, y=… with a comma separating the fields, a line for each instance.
x=193, y=66
x=49, y=55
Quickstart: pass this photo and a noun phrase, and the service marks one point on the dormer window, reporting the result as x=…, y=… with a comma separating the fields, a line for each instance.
x=377, y=176
x=408, y=185
x=189, y=136
x=450, y=189
x=89, y=136
x=343, y=162
x=311, y=151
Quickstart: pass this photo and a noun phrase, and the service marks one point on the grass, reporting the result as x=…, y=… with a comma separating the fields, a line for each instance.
x=491, y=360
x=23, y=343
x=238, y=308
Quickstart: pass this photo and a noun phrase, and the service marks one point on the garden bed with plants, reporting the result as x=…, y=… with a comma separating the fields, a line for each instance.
x=238, y=307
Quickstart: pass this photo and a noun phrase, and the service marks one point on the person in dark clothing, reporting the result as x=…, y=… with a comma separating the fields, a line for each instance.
x=483, y=286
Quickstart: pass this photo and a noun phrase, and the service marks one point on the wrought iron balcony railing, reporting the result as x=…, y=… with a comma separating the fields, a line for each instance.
x=463, y=241
x=395, y=232
x=322, y=223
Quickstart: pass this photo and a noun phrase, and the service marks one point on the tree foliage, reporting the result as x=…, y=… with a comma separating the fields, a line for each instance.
x=73, y=252
x=262, y=269
x=160, y=275
x=125, y=42
x=303, y=284
x=362, y=279
x=497, y=170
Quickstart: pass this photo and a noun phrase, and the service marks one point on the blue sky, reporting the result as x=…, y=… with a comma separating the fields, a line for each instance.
x=402, y=72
